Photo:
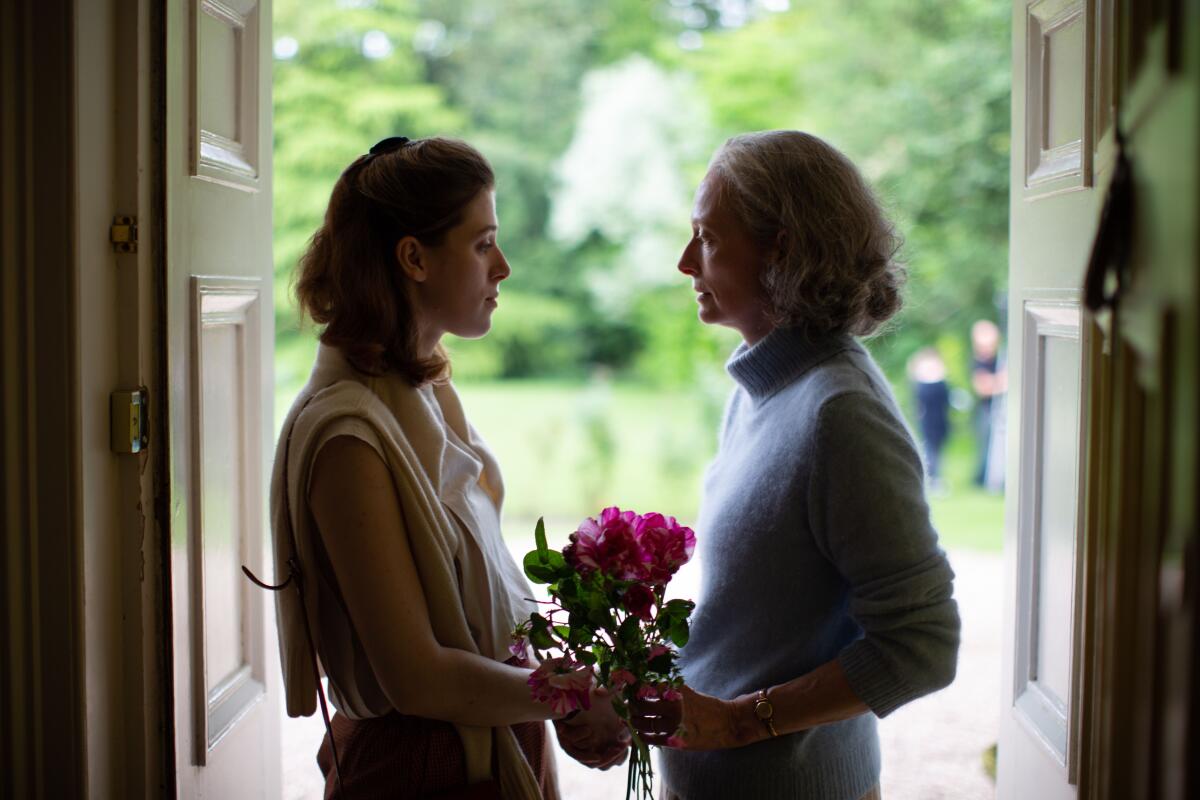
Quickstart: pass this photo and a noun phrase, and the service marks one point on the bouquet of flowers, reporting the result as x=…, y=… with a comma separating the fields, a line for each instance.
x=607, y=619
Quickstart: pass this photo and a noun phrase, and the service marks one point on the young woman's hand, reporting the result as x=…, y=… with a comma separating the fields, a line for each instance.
x=596, y=738
x=695, y=721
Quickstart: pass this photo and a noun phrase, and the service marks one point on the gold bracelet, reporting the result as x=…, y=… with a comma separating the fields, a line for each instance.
x=765, y=711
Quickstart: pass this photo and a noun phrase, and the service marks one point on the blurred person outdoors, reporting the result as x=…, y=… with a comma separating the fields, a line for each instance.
x=989, y=381
x=825, y=600
x=927, y=372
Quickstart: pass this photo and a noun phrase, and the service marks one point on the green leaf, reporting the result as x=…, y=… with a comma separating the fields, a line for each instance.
x=537, y=570
x=540, y=639
x=539, y=536
x=679, y=607
x=568, y=590
x=597, y=600
x=663, y=663
x=679, y=633
x=581, y=636
x=539, y=632
x=629, y=633
x=603, y=654
x=602, y=618
x=587, y=657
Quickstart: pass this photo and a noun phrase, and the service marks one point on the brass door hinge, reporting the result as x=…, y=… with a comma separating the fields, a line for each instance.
x=123, y=234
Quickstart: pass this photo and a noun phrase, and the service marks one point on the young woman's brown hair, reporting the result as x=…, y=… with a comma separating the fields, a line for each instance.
x=348, y=278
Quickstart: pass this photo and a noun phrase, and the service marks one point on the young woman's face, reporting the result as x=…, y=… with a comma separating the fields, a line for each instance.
x=724, y=263
x=456, y=291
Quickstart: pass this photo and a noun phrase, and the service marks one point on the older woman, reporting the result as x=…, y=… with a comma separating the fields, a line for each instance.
x=826, y=601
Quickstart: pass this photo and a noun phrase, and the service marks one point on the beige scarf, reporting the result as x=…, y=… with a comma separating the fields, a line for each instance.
x=413, y=454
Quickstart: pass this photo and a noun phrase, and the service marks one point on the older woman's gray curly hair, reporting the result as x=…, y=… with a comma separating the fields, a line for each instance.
x=833, y=266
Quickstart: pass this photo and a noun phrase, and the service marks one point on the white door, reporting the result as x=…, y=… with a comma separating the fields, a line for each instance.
x=219, y=332
x=1054, y=207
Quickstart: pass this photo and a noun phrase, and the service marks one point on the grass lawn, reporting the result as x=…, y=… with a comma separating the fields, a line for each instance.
x=970, y=518
x=569, y=448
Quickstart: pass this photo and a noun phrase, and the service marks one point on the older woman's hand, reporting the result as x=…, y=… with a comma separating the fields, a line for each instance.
x=695, y=721
x=596, y=738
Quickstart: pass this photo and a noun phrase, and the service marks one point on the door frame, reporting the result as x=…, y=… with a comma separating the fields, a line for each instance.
x=84, y=709
x=41, y=721
x=103, y=631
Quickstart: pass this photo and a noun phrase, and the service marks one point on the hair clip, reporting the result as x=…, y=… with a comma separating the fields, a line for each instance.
x=389, y=144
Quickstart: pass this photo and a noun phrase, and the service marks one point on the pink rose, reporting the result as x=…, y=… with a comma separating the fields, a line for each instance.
x=646, y=692
x=666, y=546
x=620, y=678
x=609, y=544
x=639, y=601
x=658, y=650
x=563, y=684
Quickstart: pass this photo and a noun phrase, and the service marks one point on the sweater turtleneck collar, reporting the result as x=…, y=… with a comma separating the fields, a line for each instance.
x=781, y=356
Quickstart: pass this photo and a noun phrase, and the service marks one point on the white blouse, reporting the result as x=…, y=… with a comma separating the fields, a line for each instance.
x=493, y=602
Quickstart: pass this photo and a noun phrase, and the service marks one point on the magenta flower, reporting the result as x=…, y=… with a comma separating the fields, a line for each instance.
x=608, y=544
x=570, y=556
x=663, y=691
x=563, y=684
x=604, y=610
x=518, y=647
x=666, y=546
x=639, y=601
x=620, y=678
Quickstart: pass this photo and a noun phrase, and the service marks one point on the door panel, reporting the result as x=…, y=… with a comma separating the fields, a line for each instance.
x=1053, y=38
x=227, y=493
x=219, y=355
x=1053, y=212
x=1048, y=526
x=1131, y=714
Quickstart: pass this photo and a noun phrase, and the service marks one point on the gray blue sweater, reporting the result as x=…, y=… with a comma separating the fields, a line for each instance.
x=816, y=544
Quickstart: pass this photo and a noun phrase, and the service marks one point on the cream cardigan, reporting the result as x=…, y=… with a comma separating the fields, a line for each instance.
x=412, y=451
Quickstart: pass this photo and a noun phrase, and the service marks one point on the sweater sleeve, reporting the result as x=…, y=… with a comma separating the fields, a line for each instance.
x=869, y=516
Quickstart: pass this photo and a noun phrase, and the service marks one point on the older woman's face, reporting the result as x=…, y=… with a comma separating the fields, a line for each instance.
x=724, y=263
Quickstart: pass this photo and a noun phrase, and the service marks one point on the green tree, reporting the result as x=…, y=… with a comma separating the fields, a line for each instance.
x=345, y=76
x=917, y=93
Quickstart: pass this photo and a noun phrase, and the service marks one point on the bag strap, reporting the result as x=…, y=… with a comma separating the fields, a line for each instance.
x=296, y=578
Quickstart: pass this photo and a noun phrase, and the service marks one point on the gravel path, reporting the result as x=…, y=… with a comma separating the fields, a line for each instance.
x=932, y=748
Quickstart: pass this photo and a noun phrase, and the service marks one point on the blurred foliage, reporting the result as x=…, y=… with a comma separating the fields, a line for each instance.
x=916, y=92
x=542, y=335
x=599, y=117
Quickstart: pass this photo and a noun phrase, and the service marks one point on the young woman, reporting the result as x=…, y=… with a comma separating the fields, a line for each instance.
x=386, y=501
x=824, y=594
